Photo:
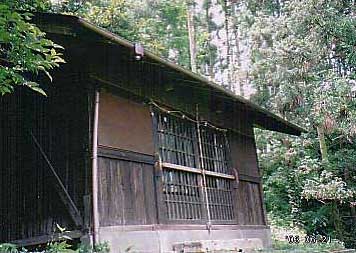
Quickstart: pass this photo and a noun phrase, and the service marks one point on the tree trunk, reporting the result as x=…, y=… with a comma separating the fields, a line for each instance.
x=278, y=8
x=210, y=51
x=191, y=34
x=239, y=76
x=322, y=143
x=228, y=47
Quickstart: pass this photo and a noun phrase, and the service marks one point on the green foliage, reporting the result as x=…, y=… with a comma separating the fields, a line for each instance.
x=161, y=26
x=33, y=5
x=24, y=50
x=65, y=247
x=307, y=247
x=327, y=187
x=302, y=191
x=59, y=247
x=303, y=68
x=8, y=248
x=60, y=243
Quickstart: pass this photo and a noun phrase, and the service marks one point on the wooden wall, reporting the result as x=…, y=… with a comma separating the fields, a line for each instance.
x=126, y=180
x=29, y=203
x=243, y=153
x=126, y=174
x=126, y=192
x=249, y=200
x=248, y=204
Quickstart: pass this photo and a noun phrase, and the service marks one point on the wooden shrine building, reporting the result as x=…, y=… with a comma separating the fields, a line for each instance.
x=130, y=149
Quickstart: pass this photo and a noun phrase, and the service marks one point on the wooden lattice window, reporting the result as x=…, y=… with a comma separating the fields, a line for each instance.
x=176, y=140
x=182, y=195
x=220, y=198
x=214, y=150
x=197, y=178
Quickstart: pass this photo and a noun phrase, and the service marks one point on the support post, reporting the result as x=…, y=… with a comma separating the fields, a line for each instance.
x=95, y=171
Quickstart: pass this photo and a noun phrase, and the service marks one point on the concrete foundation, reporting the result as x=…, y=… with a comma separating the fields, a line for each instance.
x=155, y=239
x=230, y=245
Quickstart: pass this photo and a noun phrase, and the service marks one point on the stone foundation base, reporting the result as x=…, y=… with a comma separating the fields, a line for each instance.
x=159, y=239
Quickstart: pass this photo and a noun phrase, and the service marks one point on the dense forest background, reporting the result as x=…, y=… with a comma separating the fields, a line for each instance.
x=297, y=58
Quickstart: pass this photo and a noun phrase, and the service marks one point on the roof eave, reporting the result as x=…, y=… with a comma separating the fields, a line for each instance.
x=281, y=124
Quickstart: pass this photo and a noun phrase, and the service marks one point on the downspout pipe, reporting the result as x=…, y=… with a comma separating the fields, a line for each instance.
x=95, y=171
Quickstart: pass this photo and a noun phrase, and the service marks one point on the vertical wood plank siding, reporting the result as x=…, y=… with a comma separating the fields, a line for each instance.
x=243, y=154
x=10, y=140
x=249, y=211
x=126, y=193
x=29, y=204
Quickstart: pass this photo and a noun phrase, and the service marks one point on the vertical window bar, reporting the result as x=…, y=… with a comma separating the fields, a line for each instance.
x=205, y=190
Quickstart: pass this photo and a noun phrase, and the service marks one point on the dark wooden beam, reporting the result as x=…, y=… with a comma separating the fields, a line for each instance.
x=46, y=238
x=248, y=178
x=126, y=155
